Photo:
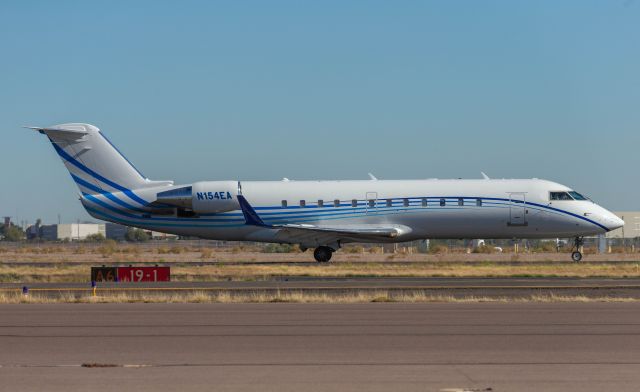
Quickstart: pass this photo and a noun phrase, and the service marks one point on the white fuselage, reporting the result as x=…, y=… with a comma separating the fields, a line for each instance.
x=489, y=208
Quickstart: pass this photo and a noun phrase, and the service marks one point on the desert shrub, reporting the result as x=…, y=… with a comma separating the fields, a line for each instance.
x=486, y=249
x=206, y=253
x=177, y=249
x=438, y=249
x=352, y=249
x=279, y=248
x=108, y=248
x=402, y=251
x=131, y=249
x=97, y=237
x=546, y=246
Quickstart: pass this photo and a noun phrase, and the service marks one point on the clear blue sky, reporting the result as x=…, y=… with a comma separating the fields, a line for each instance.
x=324, y=90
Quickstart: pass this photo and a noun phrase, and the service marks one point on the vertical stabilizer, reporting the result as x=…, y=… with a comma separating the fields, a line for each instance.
x=95, y=164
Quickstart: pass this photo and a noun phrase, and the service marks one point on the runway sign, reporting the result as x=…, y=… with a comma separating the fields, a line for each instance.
x=144, y=274
x=103, y=274
x=130, y=274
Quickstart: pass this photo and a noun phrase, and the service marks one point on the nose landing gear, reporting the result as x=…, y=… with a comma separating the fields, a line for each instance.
x=323, y=254
x=577, y=255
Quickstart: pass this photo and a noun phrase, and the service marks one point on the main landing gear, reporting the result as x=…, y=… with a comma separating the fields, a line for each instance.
x=576, y=255
x=322, y=254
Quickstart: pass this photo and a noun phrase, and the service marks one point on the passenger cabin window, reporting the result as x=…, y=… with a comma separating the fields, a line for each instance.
x=405, y=202
x=460, y=201
x=389, y=202
x=354, y=203
x=336, y=203
x=284, y=204
x=303, y=203
x=372, y=203
x=320, y=203
x=479, y=202
x=424, y=202
x=560, y=196
x=443, y=202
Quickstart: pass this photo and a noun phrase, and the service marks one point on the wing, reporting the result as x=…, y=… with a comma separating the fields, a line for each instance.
x=303, y=233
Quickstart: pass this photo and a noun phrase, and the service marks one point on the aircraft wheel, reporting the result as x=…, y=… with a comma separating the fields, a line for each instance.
x=322, y=254
x=576, y=256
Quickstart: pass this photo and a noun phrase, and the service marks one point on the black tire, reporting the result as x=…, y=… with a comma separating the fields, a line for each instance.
x=576, y=256
x=322, y=254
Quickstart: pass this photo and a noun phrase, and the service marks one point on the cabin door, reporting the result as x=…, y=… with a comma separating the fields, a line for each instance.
x=517, y=209
x=371, y=202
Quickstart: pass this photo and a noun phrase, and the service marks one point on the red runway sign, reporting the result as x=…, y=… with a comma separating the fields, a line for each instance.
x=144, y=274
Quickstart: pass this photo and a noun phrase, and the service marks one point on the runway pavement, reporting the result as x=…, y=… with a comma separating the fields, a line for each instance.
x=460, y=287
x=319, y=347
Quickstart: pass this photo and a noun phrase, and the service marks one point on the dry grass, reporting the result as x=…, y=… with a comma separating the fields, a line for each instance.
x=289, y=297
x=241, y=263
x=66, y=273
x=109, y=251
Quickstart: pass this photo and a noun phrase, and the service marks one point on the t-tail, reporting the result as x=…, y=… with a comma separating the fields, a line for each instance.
x=96, y=165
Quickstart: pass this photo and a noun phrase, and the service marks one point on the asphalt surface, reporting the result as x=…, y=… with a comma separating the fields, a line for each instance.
x=460, y=287
x=301, y=347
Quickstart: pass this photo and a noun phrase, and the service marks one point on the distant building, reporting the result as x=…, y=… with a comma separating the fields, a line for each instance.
x=118, y=232
x=631, y=228
x=115, y=231
x=71, y=231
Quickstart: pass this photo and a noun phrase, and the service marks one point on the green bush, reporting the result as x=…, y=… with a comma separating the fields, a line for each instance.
x=136, y=235
x=98, y=237
x=12, y=233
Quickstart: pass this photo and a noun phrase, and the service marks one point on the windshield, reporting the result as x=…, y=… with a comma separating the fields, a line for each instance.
x=577, y=196
x=560, y=196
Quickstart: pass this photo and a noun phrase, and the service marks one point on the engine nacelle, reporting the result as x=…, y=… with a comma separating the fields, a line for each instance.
x=214, y=196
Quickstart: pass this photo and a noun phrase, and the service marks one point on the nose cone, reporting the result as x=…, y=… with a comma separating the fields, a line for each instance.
x=612, y=221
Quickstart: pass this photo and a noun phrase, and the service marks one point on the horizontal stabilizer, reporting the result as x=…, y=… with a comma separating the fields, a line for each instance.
x=76, y=131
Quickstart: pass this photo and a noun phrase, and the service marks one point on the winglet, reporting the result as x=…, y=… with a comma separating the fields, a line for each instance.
x=250, y=215
x=372, y=177
x=484, y=176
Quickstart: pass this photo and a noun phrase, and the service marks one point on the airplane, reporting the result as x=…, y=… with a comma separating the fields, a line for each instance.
x=323, y=215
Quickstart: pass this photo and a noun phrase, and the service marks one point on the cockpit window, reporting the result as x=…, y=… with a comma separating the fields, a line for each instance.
x=577, y=196
x=559, y=196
